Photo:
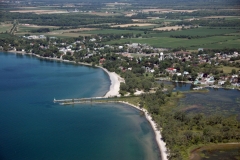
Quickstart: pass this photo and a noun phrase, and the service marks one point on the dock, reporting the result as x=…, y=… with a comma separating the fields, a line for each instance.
x=197, y=88
x=77, y=100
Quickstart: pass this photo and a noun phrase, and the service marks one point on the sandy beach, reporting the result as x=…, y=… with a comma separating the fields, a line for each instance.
x=158, y=136
x=115, y=83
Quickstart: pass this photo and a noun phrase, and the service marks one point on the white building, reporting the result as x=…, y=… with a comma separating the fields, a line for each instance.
x=161, y=57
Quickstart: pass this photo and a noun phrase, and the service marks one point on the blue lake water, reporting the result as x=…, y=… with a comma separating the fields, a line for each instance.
x=33, y=127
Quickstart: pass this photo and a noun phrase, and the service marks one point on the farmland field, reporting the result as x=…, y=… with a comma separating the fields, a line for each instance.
x=167, y=42
x=40, y=11
x=27, y=28
x=200, y=31
x=5, y=27
x=133, y=24
x=112, y=31
x=170, y=28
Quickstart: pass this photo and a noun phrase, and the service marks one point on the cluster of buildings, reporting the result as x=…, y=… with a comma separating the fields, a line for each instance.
x=148, y=52
x=35, y=37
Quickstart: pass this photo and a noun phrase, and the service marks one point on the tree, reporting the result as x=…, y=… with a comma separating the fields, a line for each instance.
x=174, y=77
x=233, y=71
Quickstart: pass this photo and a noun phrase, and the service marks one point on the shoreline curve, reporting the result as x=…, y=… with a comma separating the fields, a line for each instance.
x=114, y=91
x=158, y=136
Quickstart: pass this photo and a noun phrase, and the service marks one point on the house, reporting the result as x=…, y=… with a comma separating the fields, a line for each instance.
x=102, y=60
x=42, y=37
x=221, y=82
x=134, y=45
x=178, y=74
x=171, y=70
x=120, y=47
x=92, y=40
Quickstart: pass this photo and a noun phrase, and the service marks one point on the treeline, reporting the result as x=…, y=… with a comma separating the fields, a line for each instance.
x=62, y=19
x=189, y=37
x=110, y=37
x=40, y=30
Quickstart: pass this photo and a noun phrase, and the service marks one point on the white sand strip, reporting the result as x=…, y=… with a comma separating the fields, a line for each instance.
x=160, y=142
x=115, y=83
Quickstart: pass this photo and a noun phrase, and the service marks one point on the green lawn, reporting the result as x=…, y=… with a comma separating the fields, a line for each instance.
x=227, y=69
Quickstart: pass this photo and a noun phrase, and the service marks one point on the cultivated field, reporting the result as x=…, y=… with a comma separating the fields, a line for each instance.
x=75, y=31
x=35, y=26
x=216, y=42
x=117, y=4
x=5, y=27
x=212, y=17
x=170, y=28
x=25, y=28
x=166, y=10
x=200, y=31
x=129, y=14
x=111, y=31
x=133, y=24
x=40, y=11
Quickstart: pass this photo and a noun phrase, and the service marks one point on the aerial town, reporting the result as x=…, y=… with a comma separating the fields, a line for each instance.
x=89, y=50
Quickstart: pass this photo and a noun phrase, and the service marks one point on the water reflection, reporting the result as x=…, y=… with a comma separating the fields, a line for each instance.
x=178, y=86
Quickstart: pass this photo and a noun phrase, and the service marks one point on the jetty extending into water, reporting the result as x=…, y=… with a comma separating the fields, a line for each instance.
x=79, y=100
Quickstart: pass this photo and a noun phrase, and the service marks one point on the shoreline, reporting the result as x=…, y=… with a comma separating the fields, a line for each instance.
x=115, y=79
x=158, y=136
x=114, y=91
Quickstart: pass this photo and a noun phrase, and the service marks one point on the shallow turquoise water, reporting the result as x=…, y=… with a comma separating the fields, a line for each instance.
x=33, y=127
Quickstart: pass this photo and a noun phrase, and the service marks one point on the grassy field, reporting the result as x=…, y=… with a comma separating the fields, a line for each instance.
x=112, y=31
x=51, y=34
x=232, y=43
x=211, y=38
x=227, y=69
x=167, y=42
x=5, y=27
x=201, y=31
x=28, y=28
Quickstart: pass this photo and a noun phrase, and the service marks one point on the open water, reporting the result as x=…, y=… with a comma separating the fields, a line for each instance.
x=33, y=127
